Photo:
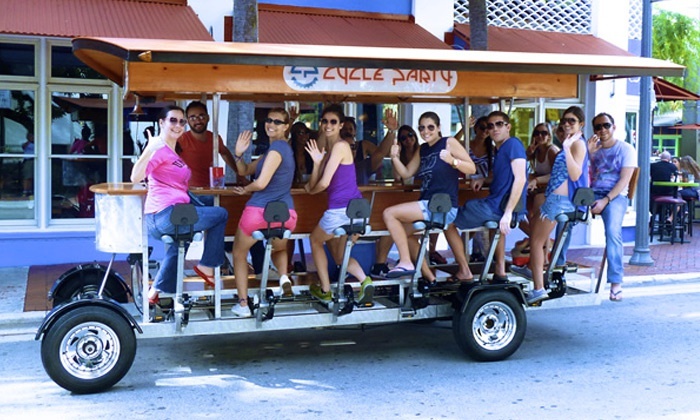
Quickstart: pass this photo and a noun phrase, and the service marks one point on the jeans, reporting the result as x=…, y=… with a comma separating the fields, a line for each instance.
x=211, y=219
x=612, y=215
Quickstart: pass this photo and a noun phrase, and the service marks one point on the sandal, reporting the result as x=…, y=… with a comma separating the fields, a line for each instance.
x=207, y=279
x=616, y=296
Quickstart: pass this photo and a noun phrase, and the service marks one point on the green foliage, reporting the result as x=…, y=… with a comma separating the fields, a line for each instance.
x=676, y=38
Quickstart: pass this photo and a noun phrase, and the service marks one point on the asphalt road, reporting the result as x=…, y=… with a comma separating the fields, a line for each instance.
x=635, y=359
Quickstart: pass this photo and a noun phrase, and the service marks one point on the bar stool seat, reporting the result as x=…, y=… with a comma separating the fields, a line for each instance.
x=664, y=208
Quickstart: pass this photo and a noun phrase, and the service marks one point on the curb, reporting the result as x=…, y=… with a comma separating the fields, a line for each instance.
x=20, y=322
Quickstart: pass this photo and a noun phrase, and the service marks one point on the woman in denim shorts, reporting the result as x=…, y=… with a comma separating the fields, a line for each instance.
x=570, y=170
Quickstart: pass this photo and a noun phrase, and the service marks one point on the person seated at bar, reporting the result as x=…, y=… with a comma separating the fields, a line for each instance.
x=541, y=153
x=369, y=156
x=689, y=167
x=408, y=141
x=334, y=172
x=196, y=146
x=569, y=172
x=438, y=164
x=662, y=170
x=300, y=135
x=168, y=177
x=509, y=180
x=274, y=174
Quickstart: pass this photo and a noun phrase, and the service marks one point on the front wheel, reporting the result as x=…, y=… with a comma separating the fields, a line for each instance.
x=492, y=327
x=88, y=350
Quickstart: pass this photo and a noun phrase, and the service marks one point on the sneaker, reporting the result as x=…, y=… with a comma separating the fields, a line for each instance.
x=286, y=287
x=241, y=311
x=536, y=296
x=366, y=291
x=318, y=293
x=522, y=271
x=379, y=270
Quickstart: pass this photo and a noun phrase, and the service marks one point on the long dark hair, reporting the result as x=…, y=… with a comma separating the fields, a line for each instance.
x=489, y=143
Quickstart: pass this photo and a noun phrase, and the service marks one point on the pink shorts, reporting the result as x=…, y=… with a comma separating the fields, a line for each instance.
x=252, y=219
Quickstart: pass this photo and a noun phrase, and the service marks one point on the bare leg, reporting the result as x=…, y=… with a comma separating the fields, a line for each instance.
x=241, y=246
x=394, y=219
x=318, y=238
x=454, y=240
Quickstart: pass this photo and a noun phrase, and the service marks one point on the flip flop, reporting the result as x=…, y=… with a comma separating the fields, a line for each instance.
x=397, y=272
x=616, y=296
x=207, y=279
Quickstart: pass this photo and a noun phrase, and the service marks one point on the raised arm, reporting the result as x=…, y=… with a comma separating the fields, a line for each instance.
x=138, y=172
x=242, y=145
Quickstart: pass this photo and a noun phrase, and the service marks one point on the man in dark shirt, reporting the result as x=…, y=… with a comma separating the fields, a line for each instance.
x=663, y=170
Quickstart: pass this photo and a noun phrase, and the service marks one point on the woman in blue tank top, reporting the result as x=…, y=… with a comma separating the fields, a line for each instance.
x=569, y=171
x=438, y=164
x=334, y=172
x=274, y=174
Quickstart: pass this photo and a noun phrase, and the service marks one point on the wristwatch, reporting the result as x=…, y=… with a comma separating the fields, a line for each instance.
x=455, y=163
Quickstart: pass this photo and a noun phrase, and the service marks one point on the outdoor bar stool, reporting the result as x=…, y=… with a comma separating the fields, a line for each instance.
x=691, y=202
x=664, y=208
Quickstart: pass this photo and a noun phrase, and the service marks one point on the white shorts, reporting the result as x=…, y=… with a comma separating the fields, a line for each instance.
x=333, y=219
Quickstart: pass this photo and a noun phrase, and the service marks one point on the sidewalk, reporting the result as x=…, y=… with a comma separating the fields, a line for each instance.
x=671, y=263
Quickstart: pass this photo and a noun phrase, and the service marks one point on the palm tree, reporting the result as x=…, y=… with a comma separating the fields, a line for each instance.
x=241, y=114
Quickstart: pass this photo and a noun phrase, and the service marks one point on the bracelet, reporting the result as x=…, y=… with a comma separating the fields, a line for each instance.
x=392, y=131
x=237, y=158
x=609, y=199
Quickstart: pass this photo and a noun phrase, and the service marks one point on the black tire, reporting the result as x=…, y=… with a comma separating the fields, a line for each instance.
x=88, y=349
x=492, y=327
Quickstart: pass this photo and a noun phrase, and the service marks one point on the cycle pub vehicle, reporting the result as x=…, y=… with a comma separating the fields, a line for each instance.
x=89, y=339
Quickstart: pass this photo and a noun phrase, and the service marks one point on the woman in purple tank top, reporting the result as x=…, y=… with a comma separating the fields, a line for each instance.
x=334, y=172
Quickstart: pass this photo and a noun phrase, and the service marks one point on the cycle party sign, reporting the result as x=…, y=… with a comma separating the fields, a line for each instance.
x=353, y=79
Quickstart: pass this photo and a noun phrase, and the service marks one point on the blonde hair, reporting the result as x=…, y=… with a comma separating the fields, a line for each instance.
x=689, y=165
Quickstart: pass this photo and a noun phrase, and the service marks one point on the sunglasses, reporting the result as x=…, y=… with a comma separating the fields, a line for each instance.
x=275, y=122
x=403, y=137
x=331, y=122
x=481, y=127
x=200, y=117
x=542, y=133
x=599, y=127
x=570, y=121
x=174, y=120
x=430, y=127
x=498, y=124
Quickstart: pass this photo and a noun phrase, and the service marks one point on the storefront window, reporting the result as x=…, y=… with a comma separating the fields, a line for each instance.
x=522, y=122
x=79, y=148
x=17, y=59
x=65, y=64
x=17, y=154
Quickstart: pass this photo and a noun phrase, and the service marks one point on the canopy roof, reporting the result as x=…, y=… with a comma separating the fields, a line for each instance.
x=247, y=71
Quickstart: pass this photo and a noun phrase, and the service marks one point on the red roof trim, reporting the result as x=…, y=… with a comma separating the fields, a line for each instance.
x=167, y=19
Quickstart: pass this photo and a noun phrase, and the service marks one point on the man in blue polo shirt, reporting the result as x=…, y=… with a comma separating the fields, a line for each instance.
x=509, y=181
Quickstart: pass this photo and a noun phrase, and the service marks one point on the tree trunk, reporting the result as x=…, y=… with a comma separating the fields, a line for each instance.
x=241, y=114
x=478, y=41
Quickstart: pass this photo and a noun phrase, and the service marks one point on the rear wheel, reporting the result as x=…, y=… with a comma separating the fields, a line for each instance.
x=88, y=349
x=492, y=327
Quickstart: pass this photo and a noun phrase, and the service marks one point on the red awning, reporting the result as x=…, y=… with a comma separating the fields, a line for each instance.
x=523, y=40
x=684, y=127
x=301, y=25
x=164, y=19
x=667, y=91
